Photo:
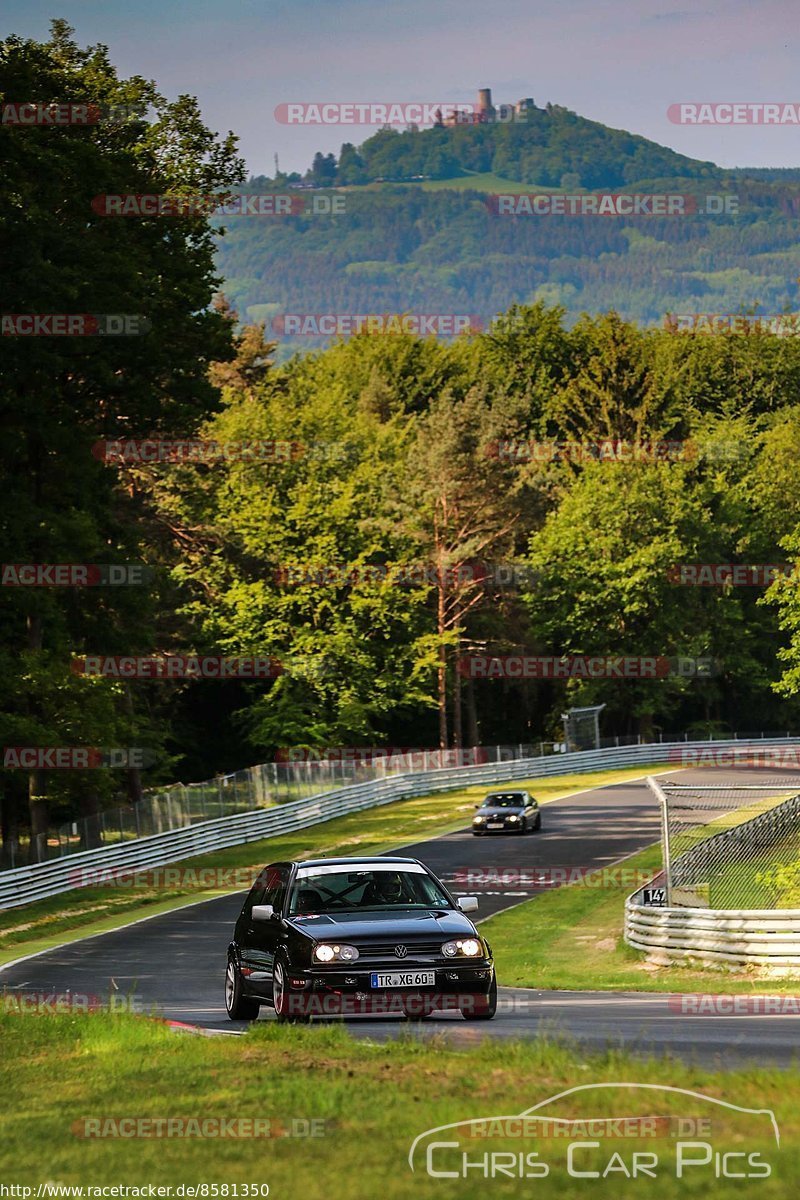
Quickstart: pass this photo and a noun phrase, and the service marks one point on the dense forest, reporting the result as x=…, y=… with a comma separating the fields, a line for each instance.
x=401, y=504
x=416, y=226
x=400, y=250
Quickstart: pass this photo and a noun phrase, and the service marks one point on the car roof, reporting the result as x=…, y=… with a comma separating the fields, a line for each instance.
x=362, y=858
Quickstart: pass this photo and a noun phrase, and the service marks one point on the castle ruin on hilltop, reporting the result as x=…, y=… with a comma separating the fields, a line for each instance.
x=485, y=113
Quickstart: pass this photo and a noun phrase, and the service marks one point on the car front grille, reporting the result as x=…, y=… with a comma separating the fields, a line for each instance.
x=381, y=951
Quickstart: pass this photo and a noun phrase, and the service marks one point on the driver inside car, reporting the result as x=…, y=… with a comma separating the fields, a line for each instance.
x=387, y=888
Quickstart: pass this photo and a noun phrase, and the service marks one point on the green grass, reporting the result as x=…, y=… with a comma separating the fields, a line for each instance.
x=474, y=181
x=52, y=922
x=369, y=1102
x=571, y=939
x=481, y=182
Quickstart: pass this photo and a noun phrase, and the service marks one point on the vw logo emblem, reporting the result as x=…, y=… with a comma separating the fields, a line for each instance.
x=401, y=951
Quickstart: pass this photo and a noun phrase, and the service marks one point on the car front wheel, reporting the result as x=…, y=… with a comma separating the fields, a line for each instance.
x=281, y=997
x=239, y=1006
x=480, y=1008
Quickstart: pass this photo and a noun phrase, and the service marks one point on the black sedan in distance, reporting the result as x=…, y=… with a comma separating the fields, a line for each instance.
x=507, y=812
x=357, y=936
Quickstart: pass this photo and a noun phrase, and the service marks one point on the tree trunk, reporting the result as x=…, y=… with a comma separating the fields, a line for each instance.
x=9, y=829
x=37, y=797
x=473, y=730
x=37, y=807
x=133, y=774
x=442, y=671
x=457, y=720
x=90, y=824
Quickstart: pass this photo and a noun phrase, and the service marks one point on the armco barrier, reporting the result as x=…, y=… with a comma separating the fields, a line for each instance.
x=41, y=880
x=749, y=937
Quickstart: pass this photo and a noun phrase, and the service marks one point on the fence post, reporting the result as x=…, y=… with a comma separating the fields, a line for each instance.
x=658, y=791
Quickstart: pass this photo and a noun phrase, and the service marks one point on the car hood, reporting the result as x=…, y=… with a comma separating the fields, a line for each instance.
x=499, y=812
x=400, y=923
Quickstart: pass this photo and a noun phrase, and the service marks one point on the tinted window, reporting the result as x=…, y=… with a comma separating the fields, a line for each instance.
x=505, y=800
x=275, y=890
x=346, y=890
x=269, y=888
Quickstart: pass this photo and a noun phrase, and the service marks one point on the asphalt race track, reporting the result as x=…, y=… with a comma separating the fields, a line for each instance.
x=174, y=963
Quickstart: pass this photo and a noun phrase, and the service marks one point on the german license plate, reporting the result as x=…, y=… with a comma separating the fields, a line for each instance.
x=494, y=825
x=401, y=979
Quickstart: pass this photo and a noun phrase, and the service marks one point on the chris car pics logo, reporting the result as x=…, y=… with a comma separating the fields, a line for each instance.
x=607, y=1131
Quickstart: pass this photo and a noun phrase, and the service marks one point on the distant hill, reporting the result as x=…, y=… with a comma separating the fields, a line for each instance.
x=551, y=147
x=434, y=244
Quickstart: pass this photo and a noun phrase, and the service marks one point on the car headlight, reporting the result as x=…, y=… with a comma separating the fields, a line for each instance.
x=466, y=948
x=478, y=820
x=325, y=953
x=513, y=817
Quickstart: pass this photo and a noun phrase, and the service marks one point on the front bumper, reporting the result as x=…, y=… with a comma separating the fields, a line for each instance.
x=335, y=992
x=510, y=827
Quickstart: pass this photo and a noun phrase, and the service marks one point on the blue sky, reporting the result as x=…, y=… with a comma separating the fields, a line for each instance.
x=618, y=62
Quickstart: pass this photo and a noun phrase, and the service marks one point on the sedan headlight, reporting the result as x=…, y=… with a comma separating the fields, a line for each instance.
x=325, y=953
x=466, y=948
x=478, y=820
x=513, y=817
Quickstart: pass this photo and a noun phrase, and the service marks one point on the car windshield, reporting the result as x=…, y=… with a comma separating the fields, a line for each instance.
x=507, y=801
x=330, y=891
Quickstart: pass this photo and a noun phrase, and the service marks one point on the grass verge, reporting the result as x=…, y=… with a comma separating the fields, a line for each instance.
x=85, y=911
x=368, y=1103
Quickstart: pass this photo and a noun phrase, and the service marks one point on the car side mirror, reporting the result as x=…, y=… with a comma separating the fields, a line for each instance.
x=263, y=912
x=467, y=904
x=477, y=805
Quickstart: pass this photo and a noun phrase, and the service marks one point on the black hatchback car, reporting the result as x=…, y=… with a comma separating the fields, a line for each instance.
x=347, y=936
x=507, y=812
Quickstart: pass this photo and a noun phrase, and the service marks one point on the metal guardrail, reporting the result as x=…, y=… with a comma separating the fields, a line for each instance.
x=748, y=937
x=40, y=880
